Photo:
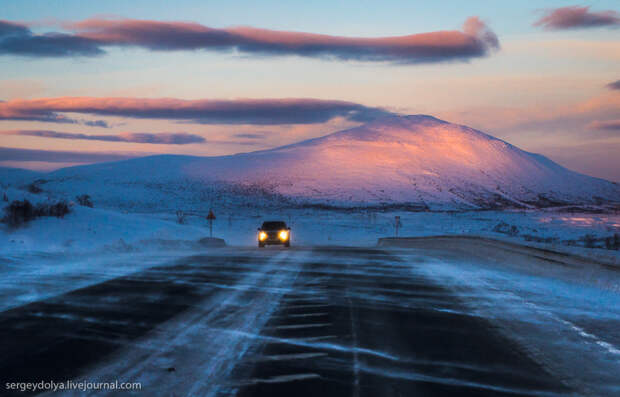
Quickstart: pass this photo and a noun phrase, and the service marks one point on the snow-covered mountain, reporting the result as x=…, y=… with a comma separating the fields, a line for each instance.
x=418, y=161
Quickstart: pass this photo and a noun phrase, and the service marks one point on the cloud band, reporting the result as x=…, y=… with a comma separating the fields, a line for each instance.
x=203, y=111
x=91, y=36
x=575, y=17
x=164, y=138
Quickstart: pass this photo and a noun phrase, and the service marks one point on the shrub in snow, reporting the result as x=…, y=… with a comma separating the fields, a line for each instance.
x=59, y=209
x=84, y=200
x=5, y=198
x=538, y=239
x=589, y=240
x=34, y=188
x=20, y=212
x=505, y=228
x=613, y=242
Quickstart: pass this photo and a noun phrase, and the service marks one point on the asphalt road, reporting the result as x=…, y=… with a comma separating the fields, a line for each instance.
x=328, y=321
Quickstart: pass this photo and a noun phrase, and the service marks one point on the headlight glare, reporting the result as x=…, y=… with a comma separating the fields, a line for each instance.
x=262, y=236
x=283, y=234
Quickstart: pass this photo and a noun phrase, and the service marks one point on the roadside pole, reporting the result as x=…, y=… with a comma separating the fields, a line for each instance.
x=397, y=225
x=210, y=218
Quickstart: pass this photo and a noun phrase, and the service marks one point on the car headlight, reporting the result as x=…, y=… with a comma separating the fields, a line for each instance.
x=262, y=236
x=283, y=235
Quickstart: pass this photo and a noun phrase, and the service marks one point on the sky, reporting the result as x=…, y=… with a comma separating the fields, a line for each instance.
x=89, y=81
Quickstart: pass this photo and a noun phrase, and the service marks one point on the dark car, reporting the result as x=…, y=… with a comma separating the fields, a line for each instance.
x=274, y=232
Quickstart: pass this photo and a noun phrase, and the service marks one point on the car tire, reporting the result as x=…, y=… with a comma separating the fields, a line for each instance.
x=261, y=245
x=287, y=244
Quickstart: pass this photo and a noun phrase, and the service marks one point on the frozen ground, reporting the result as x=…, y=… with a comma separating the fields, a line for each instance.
x=93, y=229
x=90, y=229
x=98, y=230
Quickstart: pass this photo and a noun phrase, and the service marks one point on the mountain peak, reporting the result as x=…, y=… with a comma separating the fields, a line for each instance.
x=415, y=129
x=403, y=122
x=398, y=159
x=409, y=119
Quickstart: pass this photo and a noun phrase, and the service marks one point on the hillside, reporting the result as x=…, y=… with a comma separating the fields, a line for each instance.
x=416, y=161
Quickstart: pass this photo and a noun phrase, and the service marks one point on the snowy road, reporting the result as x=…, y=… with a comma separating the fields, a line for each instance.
x=441, y=318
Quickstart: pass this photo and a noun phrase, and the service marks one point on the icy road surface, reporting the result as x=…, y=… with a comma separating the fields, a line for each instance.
x=445, y=317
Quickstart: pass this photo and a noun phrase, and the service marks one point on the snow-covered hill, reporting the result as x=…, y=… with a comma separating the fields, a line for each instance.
x=14, y=176
x=416, y=161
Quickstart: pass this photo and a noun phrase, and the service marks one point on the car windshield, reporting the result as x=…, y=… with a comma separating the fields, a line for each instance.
x=273, y=225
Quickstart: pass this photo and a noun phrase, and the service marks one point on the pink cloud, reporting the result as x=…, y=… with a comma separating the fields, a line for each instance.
x=573, y=17
x=18, y=39
x=608, y=125
x=614, y=85
x=52, y=156
x=162, y=138
x=474, y=40
x=205, y=111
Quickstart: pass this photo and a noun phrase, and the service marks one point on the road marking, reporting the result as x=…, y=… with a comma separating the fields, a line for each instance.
x=293, y=356
x=306, y=306
x=305, y=299
x=315, y=338
x=605, y=345
x=287, y=378
x=308, y=315
x=301, y=326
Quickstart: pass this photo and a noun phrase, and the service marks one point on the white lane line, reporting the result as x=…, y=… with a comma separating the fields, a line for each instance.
x=308, y=314
x=605, y=345
x=293, y=356
x=286, y=378
x=306, y=299
x=306, y=306
x=315, y=338
x=586, y=335
x=301, y=326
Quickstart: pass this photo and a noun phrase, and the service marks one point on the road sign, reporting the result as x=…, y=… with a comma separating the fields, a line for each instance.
x=210, y=218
